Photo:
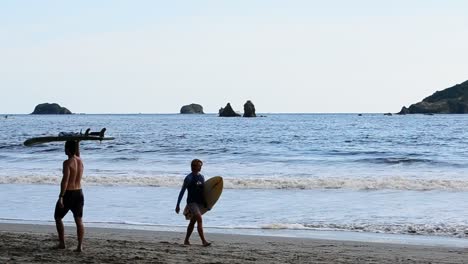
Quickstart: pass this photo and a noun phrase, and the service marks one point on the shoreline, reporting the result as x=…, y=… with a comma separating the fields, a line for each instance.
x=21, y=243
x=335, y=235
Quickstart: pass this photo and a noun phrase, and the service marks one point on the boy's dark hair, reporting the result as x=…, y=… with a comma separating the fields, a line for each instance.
x=196, y=161
x=71, y=147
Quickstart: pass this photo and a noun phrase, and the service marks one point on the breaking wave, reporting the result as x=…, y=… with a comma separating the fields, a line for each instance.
x=383, y=183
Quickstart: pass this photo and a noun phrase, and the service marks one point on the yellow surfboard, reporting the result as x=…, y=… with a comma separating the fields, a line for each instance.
x=212, y=191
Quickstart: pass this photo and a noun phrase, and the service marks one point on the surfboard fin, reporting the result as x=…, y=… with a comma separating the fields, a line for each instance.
x=101, y=134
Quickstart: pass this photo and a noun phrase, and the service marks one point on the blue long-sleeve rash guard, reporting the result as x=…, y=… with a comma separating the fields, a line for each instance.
x=194, y=184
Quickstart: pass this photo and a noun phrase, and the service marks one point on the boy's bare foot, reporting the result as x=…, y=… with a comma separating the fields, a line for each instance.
x=186, y=243
x=78, y=249
x=59, y=246
x=206, y=244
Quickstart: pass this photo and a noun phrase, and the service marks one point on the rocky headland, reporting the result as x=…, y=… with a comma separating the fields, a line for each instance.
x=453, y=100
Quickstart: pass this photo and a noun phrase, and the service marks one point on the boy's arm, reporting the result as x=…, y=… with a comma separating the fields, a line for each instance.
x=181, y=194
x=66, y=175
x=64, y=183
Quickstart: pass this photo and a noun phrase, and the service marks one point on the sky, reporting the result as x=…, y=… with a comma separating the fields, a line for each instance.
x=290, y=56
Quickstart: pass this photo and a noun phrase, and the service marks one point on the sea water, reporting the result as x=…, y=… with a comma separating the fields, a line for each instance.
x=369, y=177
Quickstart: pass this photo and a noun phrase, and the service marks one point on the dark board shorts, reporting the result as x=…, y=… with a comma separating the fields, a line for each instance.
x=72, y=200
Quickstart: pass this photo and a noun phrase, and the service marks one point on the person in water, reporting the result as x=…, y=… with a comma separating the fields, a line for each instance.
x=71, y=196
x=194, y=183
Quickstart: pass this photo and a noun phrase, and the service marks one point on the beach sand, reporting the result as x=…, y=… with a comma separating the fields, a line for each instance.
x=22, y=243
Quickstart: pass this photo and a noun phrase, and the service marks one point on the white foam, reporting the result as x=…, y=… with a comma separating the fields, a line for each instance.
x=396, y=183
x=285, y=226
x=439, y=229
x=158, y=181
x=392, y=183
x=432, y=229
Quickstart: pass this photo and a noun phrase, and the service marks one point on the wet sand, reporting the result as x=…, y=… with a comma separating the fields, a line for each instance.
x=24, y=243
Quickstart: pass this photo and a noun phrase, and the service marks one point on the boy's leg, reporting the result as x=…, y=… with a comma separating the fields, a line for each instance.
x=199, y=220
x=80, y=233
x=61, y=232
x=190, y=228
x=58, y=216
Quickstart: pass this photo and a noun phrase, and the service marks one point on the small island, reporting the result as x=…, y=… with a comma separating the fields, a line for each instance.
x=50, y=109
x=249, y=109
x=192, y=109
x=227, y=111
x=453, y=100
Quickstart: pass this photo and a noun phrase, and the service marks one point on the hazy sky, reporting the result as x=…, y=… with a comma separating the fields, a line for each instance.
x=286, y=56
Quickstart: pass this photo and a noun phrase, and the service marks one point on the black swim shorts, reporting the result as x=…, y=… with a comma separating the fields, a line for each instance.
x=72, y=200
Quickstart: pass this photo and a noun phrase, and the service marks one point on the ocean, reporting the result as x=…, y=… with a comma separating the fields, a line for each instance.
x=370, y=177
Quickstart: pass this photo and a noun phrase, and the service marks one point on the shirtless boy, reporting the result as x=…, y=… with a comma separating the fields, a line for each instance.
x=71, y=196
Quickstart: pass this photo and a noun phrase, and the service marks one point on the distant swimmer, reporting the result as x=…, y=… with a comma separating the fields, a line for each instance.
x=6, y=116
x=71, y=196
x=194, y=183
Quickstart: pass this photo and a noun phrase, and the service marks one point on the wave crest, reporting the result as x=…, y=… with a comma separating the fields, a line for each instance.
x=392, y=183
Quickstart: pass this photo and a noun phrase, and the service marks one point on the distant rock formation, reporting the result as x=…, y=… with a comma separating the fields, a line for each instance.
x=228, y=111
x=50, y=109
x=192, y=109
x=249, y=109
x=453, y=100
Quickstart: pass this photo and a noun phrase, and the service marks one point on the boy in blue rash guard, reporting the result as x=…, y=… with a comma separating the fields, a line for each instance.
x=194, y=183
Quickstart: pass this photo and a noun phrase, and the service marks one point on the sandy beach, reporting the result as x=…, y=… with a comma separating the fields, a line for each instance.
x=21, y=243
